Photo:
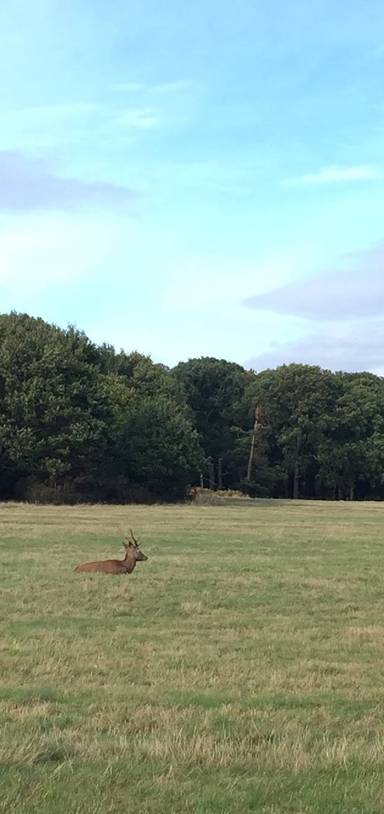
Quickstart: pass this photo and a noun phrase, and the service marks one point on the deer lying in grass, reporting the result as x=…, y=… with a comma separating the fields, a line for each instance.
x=124, y=566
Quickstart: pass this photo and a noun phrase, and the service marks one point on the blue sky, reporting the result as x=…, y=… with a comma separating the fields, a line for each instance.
x=197, y=179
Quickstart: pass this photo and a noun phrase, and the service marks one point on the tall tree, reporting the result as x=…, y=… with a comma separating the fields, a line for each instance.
x=295, y=401
x=54, y=418
x=351, y=454
x=156, y=449
x=212, y=389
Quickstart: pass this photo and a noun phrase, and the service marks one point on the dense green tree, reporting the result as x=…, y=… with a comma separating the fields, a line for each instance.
x=351, y=453
x=156, y=450
x=212, y=389
x=81, y=422
x=54, y=418
x=295, y=401
x=159, y=449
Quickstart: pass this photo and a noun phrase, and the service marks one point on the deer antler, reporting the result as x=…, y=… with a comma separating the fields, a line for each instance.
x=134, y=540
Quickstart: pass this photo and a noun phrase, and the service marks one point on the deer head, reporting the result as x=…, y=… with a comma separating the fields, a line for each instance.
x=132, y=549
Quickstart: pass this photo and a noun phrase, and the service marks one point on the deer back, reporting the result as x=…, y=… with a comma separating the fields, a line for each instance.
x=106, y=566
x=133, y=554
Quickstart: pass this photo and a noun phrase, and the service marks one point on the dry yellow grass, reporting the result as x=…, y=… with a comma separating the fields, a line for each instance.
x=239, y=669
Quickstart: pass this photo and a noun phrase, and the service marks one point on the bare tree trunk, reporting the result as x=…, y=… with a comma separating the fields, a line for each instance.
x=296, y=482
x=220, y=473
x=211, y=474
x=296, y=473
x=251, y=454
x=352, y=491
x=256, y=427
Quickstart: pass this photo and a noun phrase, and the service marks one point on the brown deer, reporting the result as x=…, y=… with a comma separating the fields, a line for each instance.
x=124, y=566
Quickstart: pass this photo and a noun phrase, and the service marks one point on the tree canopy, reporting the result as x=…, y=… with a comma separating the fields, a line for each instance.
x=81, y=422
x=85, y=422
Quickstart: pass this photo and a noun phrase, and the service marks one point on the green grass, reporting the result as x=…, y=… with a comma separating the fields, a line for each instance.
x=240, y=669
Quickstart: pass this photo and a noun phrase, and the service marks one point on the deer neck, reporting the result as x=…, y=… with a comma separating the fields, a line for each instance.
x=129, y=562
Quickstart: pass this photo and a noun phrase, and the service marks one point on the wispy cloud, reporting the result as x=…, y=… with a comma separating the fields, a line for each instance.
x=164, y=88
x=48, y=248
x=28, y=184
x=348, y=301
x=36, y=127
x=356, y=290
x=138, y=118
x=350, y=348
x=335, y=174
x=46, y=127
x=58, y=111
x=178, y=86
x=128, y=87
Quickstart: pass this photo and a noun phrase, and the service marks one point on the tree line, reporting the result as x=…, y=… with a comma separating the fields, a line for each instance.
x=83, y=422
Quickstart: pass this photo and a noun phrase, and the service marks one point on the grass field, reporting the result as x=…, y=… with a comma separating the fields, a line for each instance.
x=240, y=669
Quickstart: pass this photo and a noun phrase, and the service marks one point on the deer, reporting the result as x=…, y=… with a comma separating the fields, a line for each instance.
x=133, y=554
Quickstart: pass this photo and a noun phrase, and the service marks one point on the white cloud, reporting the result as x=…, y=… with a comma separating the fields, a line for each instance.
x=351, y=348
x=129, y=87
x=335, y=174
x=200, y=282
x=137, y=118
x=56, y=111
x=177, y=86
x=348, y=301
x=355, y=290
x=27, y=184
x=42, y=250
x=49, y=126
x=34, y=127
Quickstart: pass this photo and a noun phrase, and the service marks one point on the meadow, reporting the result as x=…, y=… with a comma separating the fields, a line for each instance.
x=240, y=669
